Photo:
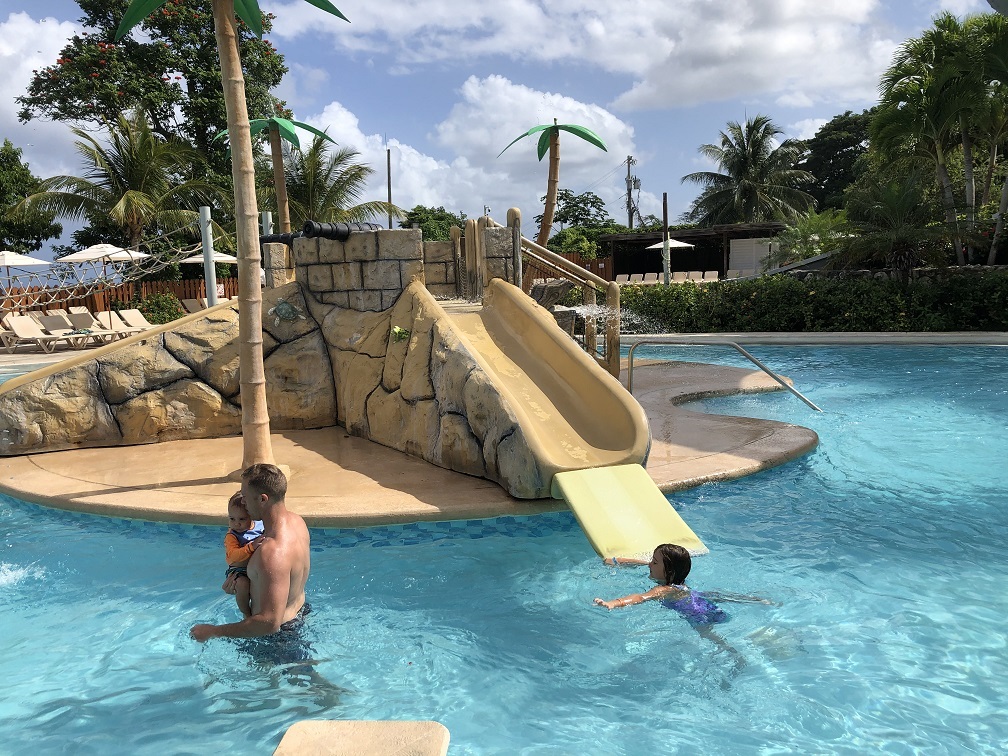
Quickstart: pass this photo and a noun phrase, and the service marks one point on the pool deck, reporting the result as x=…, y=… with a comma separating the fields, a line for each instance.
x=338, y=480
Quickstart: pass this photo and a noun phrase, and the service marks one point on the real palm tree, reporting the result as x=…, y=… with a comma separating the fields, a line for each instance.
x=136, y=180
x=255, y=415
x=278, y=129
x=326, y=186
x=549, y=140
x=758, y=179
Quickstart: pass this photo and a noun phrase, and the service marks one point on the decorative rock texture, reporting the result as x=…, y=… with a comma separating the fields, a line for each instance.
x=402, y=377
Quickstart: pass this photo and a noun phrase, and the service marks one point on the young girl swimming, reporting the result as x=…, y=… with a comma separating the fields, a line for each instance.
x=669, y=566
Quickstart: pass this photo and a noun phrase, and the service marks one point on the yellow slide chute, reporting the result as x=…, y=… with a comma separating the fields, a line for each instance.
x=623, y=512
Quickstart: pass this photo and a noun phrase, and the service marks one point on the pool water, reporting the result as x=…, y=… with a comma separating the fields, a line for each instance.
x=885, y=553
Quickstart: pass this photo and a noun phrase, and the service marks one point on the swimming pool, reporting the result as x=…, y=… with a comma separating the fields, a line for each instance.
x=885, y=551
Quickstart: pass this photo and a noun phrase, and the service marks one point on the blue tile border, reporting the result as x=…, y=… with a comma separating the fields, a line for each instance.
x=509, y=526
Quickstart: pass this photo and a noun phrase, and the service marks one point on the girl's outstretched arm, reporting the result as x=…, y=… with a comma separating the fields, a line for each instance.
x=659, y=591
x=624, y=561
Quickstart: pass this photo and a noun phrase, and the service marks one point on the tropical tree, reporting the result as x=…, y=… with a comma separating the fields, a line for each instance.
x=136, y=181
x=21, y=231
x=585, y=209
x=326, y=186
x=810, y=235
x=280, y=128
x=891, y=221
x=172, y=74
x=255, y=415
x=549, y=140
x=758, y=181
x=434, y=222
x=832, y=157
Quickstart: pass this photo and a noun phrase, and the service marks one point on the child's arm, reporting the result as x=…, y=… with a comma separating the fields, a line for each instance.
x=625, y=561
x=235, y=552
x=659, y=591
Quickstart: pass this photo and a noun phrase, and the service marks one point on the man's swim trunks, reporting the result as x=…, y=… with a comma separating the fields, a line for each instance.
x=286, y=645
x=698, y=610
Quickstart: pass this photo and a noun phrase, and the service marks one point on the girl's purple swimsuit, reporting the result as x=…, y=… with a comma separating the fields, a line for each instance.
x=697, y=610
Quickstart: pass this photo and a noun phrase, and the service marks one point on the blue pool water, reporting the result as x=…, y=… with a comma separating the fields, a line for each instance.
x=885, y=552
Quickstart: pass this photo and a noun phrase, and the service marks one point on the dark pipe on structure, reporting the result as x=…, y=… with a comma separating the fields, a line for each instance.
x=337, y=231
x=287, y=239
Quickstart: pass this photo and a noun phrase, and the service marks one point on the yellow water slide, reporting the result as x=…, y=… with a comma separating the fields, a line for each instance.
x=577, y=419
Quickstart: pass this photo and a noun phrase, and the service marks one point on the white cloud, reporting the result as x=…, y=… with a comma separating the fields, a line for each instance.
x=799, y=52
x=468, y=174
x=27, y=45
x=805, y=128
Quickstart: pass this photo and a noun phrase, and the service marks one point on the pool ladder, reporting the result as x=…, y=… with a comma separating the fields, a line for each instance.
x=680, y=341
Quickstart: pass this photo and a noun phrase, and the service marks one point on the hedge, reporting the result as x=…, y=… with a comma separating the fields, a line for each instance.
x=785, y=303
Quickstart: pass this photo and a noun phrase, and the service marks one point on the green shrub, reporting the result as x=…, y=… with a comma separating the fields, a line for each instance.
x=784, y=303
x=158, y=308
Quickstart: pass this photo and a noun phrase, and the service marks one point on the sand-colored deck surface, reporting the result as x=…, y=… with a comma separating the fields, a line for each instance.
x=337, y=480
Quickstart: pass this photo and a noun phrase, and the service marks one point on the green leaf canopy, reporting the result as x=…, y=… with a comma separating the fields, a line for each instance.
x=247, y=10
x=284, y=126
x=549, y=129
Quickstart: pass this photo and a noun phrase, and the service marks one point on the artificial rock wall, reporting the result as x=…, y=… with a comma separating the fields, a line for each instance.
x=399, y=374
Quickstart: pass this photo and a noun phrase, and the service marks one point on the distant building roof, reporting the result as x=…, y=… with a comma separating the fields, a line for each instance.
x=731, y=230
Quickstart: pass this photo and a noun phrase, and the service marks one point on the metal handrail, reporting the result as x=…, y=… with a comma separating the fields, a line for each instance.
x=705, y=342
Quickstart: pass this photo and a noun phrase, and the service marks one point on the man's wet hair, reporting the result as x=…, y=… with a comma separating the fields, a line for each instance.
x=266, y=479
x=676, y=561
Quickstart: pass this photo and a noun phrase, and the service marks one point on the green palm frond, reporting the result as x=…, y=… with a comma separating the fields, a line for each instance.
x=247, y=10
x=548, y=130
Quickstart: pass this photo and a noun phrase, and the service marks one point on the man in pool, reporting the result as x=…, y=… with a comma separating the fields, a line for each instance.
x=278, y=570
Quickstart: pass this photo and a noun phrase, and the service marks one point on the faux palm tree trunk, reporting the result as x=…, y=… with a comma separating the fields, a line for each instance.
x=552, y=187
x=279, y=180
x=256, y=445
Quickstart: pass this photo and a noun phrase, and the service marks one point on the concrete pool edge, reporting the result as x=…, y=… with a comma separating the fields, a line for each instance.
x=340, y=480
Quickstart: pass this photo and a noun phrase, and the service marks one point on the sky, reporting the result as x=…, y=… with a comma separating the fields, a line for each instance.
x=447, y=84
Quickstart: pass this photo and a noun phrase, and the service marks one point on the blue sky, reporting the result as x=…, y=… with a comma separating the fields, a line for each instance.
x=450, y=83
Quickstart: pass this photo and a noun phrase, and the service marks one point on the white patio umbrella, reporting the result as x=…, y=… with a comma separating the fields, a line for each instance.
x=665, y=258
x=671, y=243
x=218, y=257
x=94, y=252
x=17, y=260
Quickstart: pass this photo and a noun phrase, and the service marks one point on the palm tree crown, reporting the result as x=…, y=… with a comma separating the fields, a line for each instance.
x=758, y=179
x=136, y=181
x=326, y=186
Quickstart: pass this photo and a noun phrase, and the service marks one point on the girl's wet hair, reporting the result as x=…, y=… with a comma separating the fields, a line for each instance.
x=676, y=561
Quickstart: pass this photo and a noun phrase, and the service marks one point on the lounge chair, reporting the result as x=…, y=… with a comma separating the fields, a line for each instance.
x=623, y=278
x=205, y=302
x=135, y=319
x=694, y=275
x=84, y=321
x=27, y=331
x=732, y=273
x=711, y=275
x=636, y=278
x=58, y=325
x=679, y=276
x=192, y=305
x=747, y=273
x=112, y=322
x=650, y=278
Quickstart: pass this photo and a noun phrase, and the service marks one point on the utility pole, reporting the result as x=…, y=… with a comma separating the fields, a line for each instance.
x=632, y=183
x=388, y=173
x=629, y=186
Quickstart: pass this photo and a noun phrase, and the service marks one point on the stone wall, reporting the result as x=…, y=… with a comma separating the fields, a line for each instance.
x=441, y=269
x=276, y=264
x=173, y=383
x=365, y=273
x=498, y=248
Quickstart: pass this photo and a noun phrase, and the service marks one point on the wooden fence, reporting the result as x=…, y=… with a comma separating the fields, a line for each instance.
x=41, y=298
x=602, y=267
